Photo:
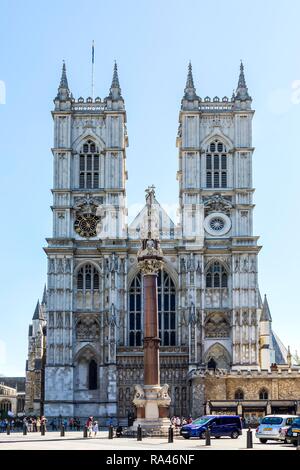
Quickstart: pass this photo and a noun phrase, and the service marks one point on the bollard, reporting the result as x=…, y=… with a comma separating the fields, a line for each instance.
x=85, y=431
x=42, y=429
x=207, y=436
x=8, y=429
x=298, y=441
x=110, y=432
x=170, y=435
x=24, y=430
x=249, y=439
x=62, y=430
x=139, y=433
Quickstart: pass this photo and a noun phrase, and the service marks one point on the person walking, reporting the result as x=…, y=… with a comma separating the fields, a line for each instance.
x=89, y=425
x=38, y=424
x=95, y=428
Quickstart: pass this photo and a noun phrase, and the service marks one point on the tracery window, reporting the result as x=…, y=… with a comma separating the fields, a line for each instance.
x=89, y=166
x=88, y=278
x=263, y=394
x=239, y=394
x=166, y=310
x=216, y=275
x=216, y=165
x=135, y=312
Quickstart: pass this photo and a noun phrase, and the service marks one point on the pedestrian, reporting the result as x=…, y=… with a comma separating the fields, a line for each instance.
x=43, y=422
x=89, y=425
x=38, y=424
x=34, y=427
x=95, y=428
x=71, y=424
x=119, y=431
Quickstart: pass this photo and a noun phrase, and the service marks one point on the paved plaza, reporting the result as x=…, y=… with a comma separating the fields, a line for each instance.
x=75, y=441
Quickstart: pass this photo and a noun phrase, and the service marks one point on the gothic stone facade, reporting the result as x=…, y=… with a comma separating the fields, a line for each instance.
x=211, y=316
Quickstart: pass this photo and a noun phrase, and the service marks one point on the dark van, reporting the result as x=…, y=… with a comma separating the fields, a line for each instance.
x=220, y=425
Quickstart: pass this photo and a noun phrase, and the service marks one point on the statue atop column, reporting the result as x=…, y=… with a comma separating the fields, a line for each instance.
x=152, y=401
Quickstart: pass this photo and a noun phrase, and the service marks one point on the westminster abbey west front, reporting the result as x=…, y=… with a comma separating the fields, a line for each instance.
x=218, y=350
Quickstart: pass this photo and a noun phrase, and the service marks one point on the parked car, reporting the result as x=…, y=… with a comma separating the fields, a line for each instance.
x=274, y=428
x=220, y=425
x=293, y=432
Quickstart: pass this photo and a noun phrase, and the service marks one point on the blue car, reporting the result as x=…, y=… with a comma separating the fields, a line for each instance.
x=219, y=425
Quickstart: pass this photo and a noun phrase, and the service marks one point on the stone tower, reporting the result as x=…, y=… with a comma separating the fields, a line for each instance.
x=218, y=269
x=86, y=261
x=35, y=364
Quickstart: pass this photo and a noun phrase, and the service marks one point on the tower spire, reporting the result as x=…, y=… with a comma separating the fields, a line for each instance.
x=115, y=89
x=242, y=89
x=44, y=299
x=63, y=92
x=64, y=80
x=265, y=315
x=36, y=314
x=190, y=90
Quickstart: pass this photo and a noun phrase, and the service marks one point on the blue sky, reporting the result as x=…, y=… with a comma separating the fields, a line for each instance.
x=152, y=42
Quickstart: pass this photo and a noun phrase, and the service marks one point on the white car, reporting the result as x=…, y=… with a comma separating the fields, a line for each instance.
x=274, y=427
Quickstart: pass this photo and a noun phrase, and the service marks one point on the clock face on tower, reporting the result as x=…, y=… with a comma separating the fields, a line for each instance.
x=86, y=225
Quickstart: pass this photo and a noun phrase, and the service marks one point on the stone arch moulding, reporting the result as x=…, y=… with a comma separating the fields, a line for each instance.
x=217, y=135
x=83, y=263
x=134, y=271
x=215, y=259
x=88, y=351
x=220, y=354
x=88, y=134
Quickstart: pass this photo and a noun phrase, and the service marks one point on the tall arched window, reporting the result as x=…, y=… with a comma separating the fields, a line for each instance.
x=216, y=165
x=263, y=394
x=216, y=275
x=166, y=310
x=93, y=376
x=89, y=166
x=239, y=394
x=88, y=278
x=135, y=312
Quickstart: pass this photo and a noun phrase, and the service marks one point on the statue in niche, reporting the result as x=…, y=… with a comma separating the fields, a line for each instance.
x=198, y=318
x=51, y=319
x=67, y=265
x=253, y=319
x=245, y=318
x=59, y=320
x=182, y=265
x=60, y=267
x=245, y=265
x=199, y=267
x=67, y=319
x=51, y=266
x=236, y=265
x=192, y=314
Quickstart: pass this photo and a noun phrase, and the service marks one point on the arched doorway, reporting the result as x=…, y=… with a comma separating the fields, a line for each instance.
x=217, y=357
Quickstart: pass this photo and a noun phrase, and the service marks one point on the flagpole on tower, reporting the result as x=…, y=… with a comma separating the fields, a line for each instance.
x=93, y=61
